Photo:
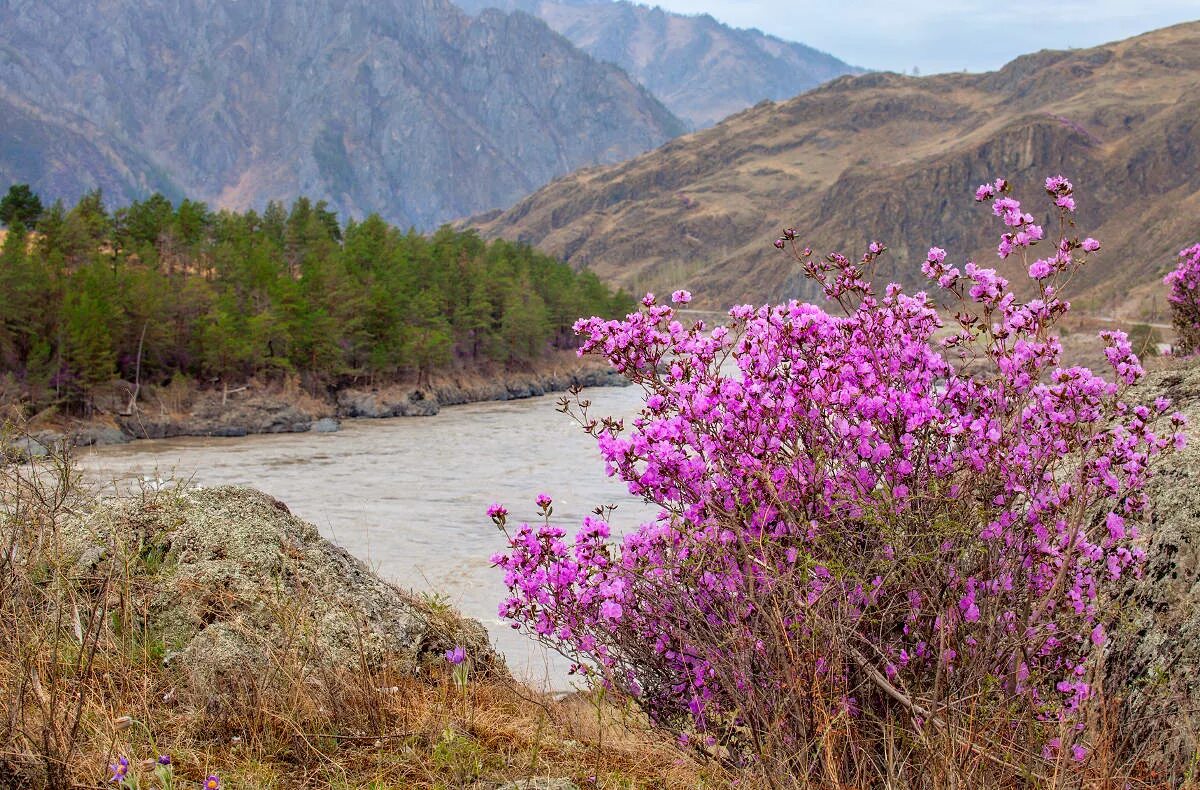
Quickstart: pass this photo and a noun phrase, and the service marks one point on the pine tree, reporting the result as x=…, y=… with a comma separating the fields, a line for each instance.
x=20, y=206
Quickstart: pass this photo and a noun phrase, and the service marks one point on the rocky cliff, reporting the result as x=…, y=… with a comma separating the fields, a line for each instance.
x=701, y=69
x=897, y=159
x=409, y=108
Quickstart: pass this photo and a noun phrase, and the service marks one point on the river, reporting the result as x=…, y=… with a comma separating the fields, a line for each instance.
x=408, y=495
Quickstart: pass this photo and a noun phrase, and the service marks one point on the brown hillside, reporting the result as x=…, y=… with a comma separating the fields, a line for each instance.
x=897, y=158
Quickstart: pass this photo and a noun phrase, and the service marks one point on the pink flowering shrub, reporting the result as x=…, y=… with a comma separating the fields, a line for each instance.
x=1184, y=297
x=876, y=530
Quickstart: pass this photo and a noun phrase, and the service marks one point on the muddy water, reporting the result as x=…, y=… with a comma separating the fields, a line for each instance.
x=408, y=495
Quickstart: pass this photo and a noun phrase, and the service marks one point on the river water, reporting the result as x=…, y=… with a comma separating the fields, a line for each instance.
x=408, y=495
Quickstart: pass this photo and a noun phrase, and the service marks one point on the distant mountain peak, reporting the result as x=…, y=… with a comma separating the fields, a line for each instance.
x=702, y=69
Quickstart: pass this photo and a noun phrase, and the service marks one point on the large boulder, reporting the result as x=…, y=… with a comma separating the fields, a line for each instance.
x=229, y=580
x=1153, y=659
x=394, y=401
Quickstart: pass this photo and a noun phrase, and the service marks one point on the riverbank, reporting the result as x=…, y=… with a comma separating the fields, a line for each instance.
x=256, y=408
x=213, y=626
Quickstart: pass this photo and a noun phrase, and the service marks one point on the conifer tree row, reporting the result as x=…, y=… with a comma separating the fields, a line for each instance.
x=226, y=296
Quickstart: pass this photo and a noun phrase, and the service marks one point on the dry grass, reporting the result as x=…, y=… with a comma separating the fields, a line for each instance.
x=82, y=681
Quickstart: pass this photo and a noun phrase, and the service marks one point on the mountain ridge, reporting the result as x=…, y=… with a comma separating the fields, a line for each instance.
x=702, y=69
x=409, y=107
x=898, y=158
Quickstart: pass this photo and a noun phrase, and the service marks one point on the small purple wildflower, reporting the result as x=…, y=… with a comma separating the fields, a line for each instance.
x=213, y=782
x=120, y=769
x=543, y=501
x=457, y=655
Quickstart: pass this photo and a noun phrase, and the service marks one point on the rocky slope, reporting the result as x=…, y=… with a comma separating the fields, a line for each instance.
x=1153, y=658
x=409, y=108
x=897, y=158
x=701, y=69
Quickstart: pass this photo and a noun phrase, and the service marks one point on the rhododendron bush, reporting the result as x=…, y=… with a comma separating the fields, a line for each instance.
x=1184, y=297
x=878, y=528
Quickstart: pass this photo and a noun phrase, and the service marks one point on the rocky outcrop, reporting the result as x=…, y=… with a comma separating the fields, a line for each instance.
x=257, y=414
x=454, y=390
x=387, y=402
x=228, y=581
x=701, y=69
x=408, y=108
x=1153, y=655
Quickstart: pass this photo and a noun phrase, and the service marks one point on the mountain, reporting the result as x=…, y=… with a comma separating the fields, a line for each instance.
x=410, y=108
x=897, y=158
x=700, y=68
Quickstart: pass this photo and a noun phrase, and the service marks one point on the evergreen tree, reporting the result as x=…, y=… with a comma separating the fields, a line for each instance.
x=20, y=206
x=158, y=292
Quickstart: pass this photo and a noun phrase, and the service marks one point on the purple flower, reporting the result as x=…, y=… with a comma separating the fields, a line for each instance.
x=212, y=782
x=1040, y=269
x=457, y=655
x=120, y=770
x=853, y=422
x=681, y=297
x=164, y=759
x=543, y=501
x=497, y=513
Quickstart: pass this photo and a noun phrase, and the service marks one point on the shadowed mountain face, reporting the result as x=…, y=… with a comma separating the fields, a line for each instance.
x=406, y=107
x=702, y=69
x=897, y=158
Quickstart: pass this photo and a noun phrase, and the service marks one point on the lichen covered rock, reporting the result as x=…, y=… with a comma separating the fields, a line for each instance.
x=1153, y=659
x=229, y=583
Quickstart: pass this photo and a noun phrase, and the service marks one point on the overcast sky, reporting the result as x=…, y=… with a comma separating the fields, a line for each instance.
x=934, y=36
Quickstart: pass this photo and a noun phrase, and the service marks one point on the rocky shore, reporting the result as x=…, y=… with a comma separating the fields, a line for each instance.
x=259, y=410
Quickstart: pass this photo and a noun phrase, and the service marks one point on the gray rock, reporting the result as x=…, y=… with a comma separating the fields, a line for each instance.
x=1153, y=654
x=26, y=447
x=419, y=406
x=356, y=403
x=387, y=403
x=227, y=577
x=99, y=435
x=326, y=425
x=519, y=390
x=231, y=431
x=540, y=784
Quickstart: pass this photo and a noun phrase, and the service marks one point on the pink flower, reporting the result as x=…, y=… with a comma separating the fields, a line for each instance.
x=681, y=297
x=1040, y=269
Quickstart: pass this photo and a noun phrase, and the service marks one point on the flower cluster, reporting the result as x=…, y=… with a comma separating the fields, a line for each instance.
x=861, y=512
x=162, y=768
x=1184, y=297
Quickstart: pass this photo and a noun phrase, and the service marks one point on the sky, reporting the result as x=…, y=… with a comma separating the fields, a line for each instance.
x=932, y=36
